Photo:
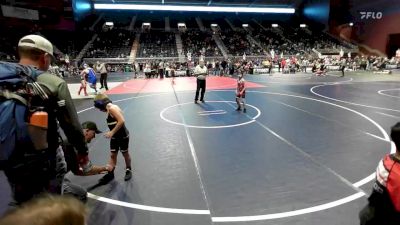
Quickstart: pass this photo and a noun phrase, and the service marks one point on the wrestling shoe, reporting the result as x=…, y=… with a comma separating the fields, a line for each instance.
x=128, y=174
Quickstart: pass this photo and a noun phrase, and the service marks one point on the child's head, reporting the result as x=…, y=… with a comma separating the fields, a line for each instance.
x=48, y=210
x=395, y=135
x=101, y=101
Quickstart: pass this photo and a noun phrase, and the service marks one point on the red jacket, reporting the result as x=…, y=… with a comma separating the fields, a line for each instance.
x=388, y=175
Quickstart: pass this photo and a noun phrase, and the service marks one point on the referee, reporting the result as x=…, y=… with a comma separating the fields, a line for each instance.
x=102, y=69
x=200, y=72
x=343, y=66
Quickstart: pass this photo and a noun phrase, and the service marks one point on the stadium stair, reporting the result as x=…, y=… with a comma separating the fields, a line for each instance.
x=253, y=41
x=179, y=47
x=134, y=49
x=132, y=24
x=96, y=22
x=85, y=48
x=231, y=25
x=259, y=24
x=221, y=45
x=167, y=25
x=200, y=24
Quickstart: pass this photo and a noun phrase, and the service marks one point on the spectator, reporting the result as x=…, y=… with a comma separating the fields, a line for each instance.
x=89, y=131
x=157, y=44
x=384, y=202
x=49, y=210
x=32, y=174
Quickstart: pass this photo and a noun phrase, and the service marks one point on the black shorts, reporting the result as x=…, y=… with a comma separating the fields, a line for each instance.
x=119, y=144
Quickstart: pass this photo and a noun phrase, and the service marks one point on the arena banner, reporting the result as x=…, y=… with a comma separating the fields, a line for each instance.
x=261, y=70
x=180, y=73
x=21, y=13
x=373, y=23
x=333, y=67
x=391, y=66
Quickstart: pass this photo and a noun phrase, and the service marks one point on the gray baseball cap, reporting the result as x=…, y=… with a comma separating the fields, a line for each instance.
x=37, y=42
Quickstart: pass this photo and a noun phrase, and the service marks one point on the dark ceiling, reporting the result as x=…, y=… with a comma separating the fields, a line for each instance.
x=284, y=3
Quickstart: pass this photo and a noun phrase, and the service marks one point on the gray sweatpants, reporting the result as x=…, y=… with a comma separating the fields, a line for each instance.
x=66, y=186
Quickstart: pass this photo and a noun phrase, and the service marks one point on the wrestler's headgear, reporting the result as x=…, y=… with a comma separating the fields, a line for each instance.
x=101, y=101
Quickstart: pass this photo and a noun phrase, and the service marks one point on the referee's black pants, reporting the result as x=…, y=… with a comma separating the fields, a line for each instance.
x=201, y=84
x=103, y=81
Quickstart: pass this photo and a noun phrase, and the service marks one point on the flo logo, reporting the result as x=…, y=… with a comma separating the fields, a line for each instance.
x=371, y=15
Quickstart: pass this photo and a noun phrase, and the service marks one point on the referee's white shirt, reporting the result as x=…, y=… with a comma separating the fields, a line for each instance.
x=101, y=68
x=200, y=72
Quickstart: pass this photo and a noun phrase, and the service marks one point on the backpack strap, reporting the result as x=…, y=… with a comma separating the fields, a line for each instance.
x=9, y=95
x=15, y=72
x=32, y=73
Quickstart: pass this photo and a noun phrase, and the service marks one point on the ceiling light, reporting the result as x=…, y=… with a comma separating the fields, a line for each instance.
x=194, y=8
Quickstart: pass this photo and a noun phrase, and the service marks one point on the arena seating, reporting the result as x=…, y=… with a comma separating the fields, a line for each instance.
x=268, y=40
x=115, y=43
x=237, y=44
x=68, y=42
x=157, y=44
x=190, y=23
x=195, y=41
x=8, y=43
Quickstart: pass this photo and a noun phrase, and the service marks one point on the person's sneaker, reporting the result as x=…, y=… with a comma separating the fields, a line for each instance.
x=244, y=110
x=107, y=178
x=195, y=101
x=203, y=101
x=238, y=109
x=128, y=174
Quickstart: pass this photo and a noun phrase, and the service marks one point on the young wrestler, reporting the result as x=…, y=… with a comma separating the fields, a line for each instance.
x=83, y=84
x=118, y=134
x=241, y=93
x=90, y=76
